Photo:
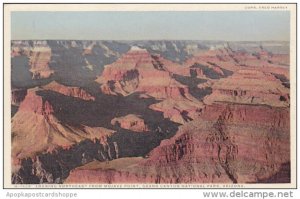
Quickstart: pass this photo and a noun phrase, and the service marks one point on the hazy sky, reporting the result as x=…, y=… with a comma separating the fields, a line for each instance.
x=191, y=25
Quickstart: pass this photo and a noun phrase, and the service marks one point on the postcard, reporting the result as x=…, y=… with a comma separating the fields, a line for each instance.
x=150, y=96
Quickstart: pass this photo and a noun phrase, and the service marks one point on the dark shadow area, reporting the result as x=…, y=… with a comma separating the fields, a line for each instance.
x=74, y=68
x=70, y=65
x=284, y=81
x=120, y=47
x=210, y=73
x=192, y=83
x=156, y=63
x=282, y=176
x=74, y=111
x=25, y=175
x=130, y=75
x=78, y=112
x=59, y=163
x=14, y=110
x=21, y=77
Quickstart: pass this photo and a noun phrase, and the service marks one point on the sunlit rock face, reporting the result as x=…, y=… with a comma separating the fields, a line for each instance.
x=69, y=91
x=150, y=112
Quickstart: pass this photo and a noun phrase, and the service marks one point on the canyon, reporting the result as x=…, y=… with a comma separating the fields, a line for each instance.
x=150, y=112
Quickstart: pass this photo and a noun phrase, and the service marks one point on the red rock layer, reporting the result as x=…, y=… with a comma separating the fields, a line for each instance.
x=179, y=111
x=282, y=59
x=36, y=129
x=250, y=86
x=259, y=115
x=69, y=91
x=139, y=71
x=34, y=103
x=234, y=60
x=131, y=122
x=219, y=148
x=214, y=58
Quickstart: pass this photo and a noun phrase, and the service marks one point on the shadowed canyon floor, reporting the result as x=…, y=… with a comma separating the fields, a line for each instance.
x=150, y=112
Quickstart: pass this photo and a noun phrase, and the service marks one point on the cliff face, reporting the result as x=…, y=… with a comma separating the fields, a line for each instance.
x=232, y=107
x=214, y=59
x=229, y=59
x=179, y=111
x=239, y=134
x=36, y=129
x=250, y=86
x=69, y=91
x=152, y=75
x=220, y=148
x=139, y=71
x=253, y=114
x=242, y=146
x=130, y=122
x=46, y=145
x=54, y=167
x=39, y=59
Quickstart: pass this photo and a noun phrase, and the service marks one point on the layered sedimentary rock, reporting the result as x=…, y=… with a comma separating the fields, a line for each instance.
x=232, y=106
x=213, y=59
x=220, y=148
x=280, y=59
x=250, y=86
x=35, y=129
x=69, y=91
x=232, y=60
x=264, y=61
x=139, y=71
x=130, y=122
x=240, y=134
x=262, y=58
x=179, y=111
x=39, y=59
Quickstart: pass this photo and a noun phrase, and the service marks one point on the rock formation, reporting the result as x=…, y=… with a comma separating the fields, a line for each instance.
x=152, y=75
x=17, y=96
x=250, y=86
x=130, y=122
x=39, y=59
x=139, y=71
x=216, y=113
x=219, y=148
x=35, y=129
x=69, y=91
x=231, y=138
